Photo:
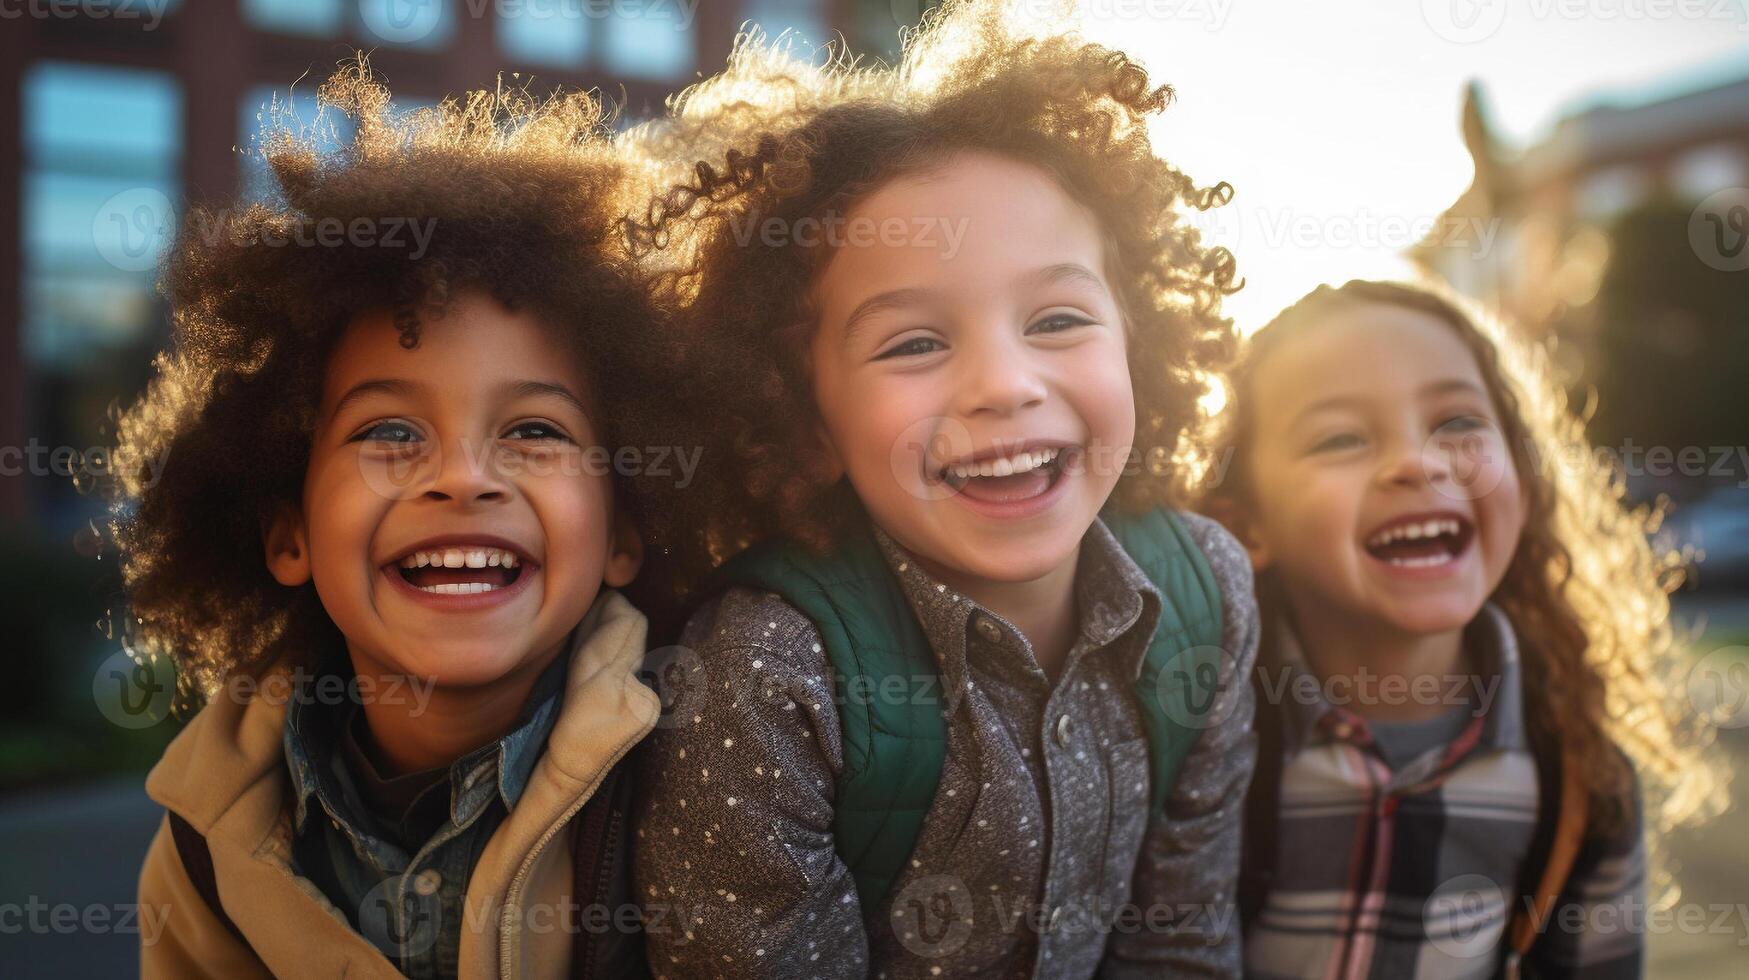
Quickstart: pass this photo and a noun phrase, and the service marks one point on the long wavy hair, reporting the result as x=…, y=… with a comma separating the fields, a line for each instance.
x=782, y=136
x=1587, y=589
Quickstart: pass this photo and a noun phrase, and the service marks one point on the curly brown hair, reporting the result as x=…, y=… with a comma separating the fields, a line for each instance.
x=778, y=137
x=523, y=199
x=1586, y=589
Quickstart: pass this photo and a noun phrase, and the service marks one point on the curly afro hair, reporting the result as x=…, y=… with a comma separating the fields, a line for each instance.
x=523, y=200
x=778, y=137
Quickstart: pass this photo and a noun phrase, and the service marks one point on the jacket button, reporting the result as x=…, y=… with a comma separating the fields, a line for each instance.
x=988, y=629
x=427, y=882
x=1063, y=728
x=1055, y=920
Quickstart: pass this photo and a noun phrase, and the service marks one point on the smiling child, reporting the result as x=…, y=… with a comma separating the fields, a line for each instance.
x=973, y=703
x=379, y=479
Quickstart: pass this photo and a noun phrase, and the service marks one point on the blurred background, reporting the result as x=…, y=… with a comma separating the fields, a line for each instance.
x=1581, y=165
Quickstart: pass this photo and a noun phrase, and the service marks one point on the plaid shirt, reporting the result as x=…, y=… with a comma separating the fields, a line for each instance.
x=1415, y=873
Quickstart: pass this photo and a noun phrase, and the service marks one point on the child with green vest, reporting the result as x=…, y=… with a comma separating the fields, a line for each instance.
x=969, y=699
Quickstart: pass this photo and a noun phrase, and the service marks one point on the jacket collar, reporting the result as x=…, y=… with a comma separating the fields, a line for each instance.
x=226, y=774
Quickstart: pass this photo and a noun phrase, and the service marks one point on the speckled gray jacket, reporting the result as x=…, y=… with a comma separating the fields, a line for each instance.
x=1037, y=857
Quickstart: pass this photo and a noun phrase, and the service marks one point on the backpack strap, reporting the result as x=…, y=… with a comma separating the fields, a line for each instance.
x=1262, y=809
x=893, y=749
x=1180, y=676
x=1563, y=837
x=197, y=863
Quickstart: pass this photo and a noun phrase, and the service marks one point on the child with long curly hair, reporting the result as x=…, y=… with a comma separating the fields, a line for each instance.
x=386, y=546
x=969, y=696
x=1466, y=655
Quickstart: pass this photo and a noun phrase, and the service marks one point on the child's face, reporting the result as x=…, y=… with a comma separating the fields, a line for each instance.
x=1381, y=486
x=980, y=332
x=470, y=447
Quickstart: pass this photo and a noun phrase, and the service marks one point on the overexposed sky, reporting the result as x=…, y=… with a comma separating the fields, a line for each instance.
x=1338, y=120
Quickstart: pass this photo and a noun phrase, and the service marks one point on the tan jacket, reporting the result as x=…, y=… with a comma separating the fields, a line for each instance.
x=226, y=775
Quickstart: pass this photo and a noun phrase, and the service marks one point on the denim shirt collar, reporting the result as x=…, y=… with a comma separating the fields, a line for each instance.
x=312, y=727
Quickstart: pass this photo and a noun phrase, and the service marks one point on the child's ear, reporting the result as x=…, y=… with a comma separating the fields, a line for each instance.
x=286, y=542
x=626, y=556
x=1235, y=518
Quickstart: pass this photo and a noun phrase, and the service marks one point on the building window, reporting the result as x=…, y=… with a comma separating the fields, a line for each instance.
x=102, y=151
x=650, y=39
x=318, y=18
x=421, y=24
x=805, y=18
x=547, y=32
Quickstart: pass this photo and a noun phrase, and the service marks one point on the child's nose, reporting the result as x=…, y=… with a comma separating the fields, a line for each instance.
x=468, y=471
x=999, y=382
x=1415, y=463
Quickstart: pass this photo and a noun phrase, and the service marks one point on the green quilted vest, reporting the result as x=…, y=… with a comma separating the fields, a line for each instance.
x=894, y=745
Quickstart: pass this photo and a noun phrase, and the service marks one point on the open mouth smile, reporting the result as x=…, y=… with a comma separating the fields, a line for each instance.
x=462, y=573
x=1422, y=541
x=1009, y=482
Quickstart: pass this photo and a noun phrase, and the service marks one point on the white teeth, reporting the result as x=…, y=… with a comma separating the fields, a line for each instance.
x=1427, y=561
x=461, y=588
x=1414, y=532
x=1005, y=466
x=460, y=558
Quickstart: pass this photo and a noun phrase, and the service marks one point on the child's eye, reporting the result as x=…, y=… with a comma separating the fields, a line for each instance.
x=911, y=348
x=536, y=431
x=388, y=430
x=1463, y=423
x=1337, y=442
x=1058, y=322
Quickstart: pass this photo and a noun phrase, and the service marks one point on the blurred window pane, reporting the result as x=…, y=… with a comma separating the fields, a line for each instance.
x=546, y=32
x=423, y=24
x=649, y=38
x=316, y=17
x=807, y=18
x=102, y=148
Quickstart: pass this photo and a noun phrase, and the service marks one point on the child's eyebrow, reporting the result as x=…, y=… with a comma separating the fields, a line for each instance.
x=386, y=386
x=509, y=389
x=530, y=389
x=1450, y=385
x=880, y=302
x=1065, y=272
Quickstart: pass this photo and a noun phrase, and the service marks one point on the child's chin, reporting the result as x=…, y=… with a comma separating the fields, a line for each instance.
x=1440, y=614
x=458, y=665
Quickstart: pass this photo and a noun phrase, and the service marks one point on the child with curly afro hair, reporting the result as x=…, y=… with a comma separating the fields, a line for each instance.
x=969, y=696
x=385, y=547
